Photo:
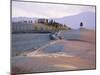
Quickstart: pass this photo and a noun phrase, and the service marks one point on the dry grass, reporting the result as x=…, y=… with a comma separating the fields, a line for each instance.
x=82, y=52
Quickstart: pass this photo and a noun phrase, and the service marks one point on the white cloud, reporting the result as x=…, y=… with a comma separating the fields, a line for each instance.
x=30, y=9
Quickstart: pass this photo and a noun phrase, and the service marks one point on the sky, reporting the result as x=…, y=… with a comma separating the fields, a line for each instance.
x=44, y=10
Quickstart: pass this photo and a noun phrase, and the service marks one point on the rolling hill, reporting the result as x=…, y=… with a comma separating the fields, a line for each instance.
x=88, y=19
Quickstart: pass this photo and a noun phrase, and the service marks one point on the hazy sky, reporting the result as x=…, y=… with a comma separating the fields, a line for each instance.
x=43, y=10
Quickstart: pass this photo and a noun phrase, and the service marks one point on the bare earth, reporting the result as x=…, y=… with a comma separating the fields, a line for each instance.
x=75, y=55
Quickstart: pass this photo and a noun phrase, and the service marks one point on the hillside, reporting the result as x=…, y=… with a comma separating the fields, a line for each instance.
x=88, y=19
x=24, y=27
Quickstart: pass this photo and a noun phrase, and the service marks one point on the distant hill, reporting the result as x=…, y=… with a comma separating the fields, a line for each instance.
x=88, y=19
